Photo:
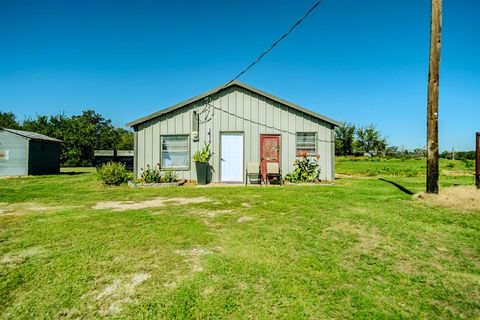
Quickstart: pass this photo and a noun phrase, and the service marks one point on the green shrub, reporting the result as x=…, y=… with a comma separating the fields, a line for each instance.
x=170, y=176
x=154, y=175
x=468, y=163
x=112, y=173
x=151, y=175
x=306, y=170
x=450, y=165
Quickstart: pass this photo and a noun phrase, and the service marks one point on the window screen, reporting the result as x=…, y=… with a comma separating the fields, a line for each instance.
x=175, y=151
x=306, y=143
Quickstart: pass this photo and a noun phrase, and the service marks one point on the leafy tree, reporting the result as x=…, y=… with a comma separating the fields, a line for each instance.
x=81, y=134
x=124, y=139
x=344, y=139
x=8, y=120
x=370, y=140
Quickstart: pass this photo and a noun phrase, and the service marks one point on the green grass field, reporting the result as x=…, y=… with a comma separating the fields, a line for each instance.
x=362, y=248
x=400, y=167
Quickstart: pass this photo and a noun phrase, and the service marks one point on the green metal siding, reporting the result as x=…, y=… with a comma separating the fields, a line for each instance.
x=237, y=109
x=17, y=147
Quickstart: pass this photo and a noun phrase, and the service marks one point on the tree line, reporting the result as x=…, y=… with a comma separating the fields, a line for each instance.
x=81, y=134
x=88, y=131
x=353, y=140
x=368, y=140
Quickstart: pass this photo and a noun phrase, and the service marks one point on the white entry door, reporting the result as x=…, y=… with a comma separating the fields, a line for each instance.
x=231, y=159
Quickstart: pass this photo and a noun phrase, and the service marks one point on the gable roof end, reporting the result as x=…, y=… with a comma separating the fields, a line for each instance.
x=226, y=86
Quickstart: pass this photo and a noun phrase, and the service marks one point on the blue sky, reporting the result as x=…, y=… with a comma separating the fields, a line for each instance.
x=357, y=61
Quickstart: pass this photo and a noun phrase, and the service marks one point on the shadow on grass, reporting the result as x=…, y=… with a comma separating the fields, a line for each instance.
x=72, y=173
x=400, y=187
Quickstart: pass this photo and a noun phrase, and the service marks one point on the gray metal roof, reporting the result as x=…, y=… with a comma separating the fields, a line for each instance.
x=226, y=86
x=32, y=135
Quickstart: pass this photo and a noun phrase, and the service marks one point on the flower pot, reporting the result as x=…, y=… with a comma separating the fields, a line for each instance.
x=202, y=172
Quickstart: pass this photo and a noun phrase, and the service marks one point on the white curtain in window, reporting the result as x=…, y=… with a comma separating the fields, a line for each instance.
x=175, y=151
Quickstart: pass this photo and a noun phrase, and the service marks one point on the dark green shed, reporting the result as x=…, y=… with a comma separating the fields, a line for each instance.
x=27, y=153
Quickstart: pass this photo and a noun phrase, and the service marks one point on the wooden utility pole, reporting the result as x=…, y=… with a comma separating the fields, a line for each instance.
x=477, y=162
x=432, y=101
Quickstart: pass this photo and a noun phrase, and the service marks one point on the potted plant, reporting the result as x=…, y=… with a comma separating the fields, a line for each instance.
x=201, y=158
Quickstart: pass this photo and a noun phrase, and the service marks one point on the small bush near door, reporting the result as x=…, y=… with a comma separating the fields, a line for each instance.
x=307, y=169
x=112, y=173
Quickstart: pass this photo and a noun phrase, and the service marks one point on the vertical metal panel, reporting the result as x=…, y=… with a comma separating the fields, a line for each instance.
x=141, y=148
x=17, y=162
x=253, y=143
x=135, y=157
x=269, y=115
x=261, y=114
x=155, y=142
x=149, y=145
x=240, y=110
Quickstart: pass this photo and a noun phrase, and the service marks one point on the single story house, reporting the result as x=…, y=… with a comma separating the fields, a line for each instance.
x=27, y=153
x=243, y=125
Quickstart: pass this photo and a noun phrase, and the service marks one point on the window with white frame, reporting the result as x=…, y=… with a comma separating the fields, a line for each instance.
x=306, y=143
x=175, y=151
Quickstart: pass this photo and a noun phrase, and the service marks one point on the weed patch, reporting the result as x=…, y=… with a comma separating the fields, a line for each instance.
x=154, y=203
x=457, y=198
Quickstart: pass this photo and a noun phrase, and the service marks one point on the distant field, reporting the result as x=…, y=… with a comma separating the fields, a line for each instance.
x=400, y=167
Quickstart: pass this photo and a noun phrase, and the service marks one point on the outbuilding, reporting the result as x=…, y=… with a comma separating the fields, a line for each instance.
x=243, y=125
x=27, y=153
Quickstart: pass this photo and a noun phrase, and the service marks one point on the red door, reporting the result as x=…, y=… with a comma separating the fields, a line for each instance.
x=269, y=151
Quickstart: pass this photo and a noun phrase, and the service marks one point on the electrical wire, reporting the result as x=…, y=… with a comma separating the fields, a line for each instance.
x=296, y=24
x=262, y=124
x=315, y=5
x=207, y=100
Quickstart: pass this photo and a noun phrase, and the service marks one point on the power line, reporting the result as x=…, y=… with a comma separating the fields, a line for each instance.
x=260, y=124
x=207, y=100
x=315, y=5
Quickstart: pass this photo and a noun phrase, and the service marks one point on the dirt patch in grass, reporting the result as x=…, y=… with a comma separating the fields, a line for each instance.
x=360, y=241
x=244, y=219
x=114, y=296
x=13, y=258
x=451, y=173
x=212, y=213
x=193, y=258
x=457, y=198
x=24, y=208
x=367, y=239
x=406, y=266
x=153, y=203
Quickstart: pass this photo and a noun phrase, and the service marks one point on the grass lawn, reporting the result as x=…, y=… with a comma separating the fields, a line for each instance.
x=361, y=248
x=400, y=167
